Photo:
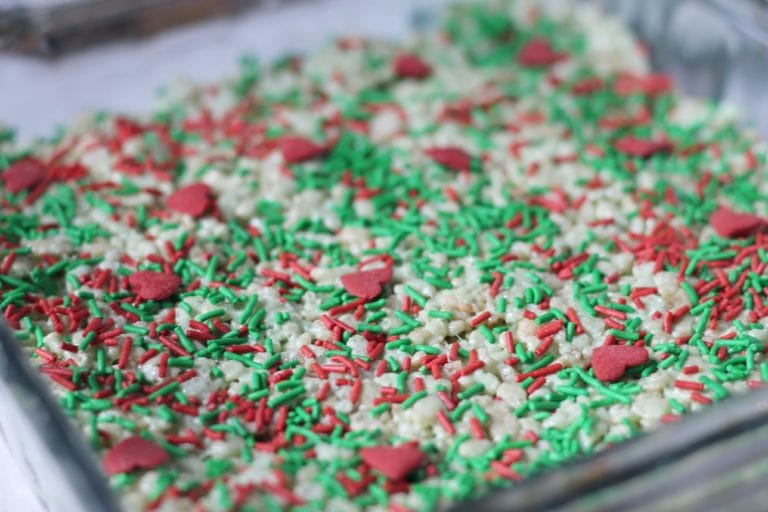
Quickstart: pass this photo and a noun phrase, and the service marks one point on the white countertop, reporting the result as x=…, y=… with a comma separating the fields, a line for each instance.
x=17, y=494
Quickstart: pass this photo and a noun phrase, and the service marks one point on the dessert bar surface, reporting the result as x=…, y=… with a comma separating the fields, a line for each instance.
x=390, y=276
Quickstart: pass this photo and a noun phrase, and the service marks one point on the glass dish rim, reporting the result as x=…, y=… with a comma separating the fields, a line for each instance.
x=52, y=427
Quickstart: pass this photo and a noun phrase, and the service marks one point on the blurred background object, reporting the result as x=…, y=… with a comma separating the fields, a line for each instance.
x=55, y=27
x=125, y=74
x=714, y=49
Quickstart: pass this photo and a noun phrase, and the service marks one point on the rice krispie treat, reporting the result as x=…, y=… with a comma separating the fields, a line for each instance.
x=390, y=277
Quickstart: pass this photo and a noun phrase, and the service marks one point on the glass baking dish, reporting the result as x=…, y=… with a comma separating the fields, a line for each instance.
x=713, y=49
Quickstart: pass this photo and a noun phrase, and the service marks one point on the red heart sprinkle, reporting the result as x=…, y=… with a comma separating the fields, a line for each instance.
x=728, y=223
x=152, y=285
x=23, y=175
x=298, y=149
x=134, y=453
x=655, y=84
x=408, y=65
x=451, y=157
x=539, y=52
x=642, y=148
x=366, y=284
x=195, y=199
x=395, y=462
x=610, y=361
x=651, y=84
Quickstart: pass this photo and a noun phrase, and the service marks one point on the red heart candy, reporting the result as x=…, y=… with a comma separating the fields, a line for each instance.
x=298, y=149
x=728, y=223
x=656, y=83
x=366, y=284
x=651, y=84
x=539, y=52
x=152, y=285
x=451, y=157
x=394, y=462
x=610, y=361
x=23, y=175
x=134, y=453
x=642, y=148
x=195, y=199
x=408, y=65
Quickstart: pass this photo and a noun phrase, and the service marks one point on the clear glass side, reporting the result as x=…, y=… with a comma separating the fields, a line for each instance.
x=45, y=445
x=704, y=462
x=715, y=49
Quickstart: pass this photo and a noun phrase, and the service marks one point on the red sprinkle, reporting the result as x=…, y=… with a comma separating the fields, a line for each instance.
x=408, y=65
x=134, y=453
x=698, y=397
x=651, y=84
x=445, y=422
x=549, y=329
x=728, y=223
x=23, y=174
x=642, y=148
x=538, y=52
x=366, y=284
x=480, y=318
x=195, y=199
x=151, y=285
x=610, y=361
x=691, y=370
x=505, y=471
x=689, y=385
x=395, y=462
x=536, y=385
x=451, y=157
x=298, y=149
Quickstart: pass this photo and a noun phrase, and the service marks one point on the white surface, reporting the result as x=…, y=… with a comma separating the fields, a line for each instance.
x=16, y=494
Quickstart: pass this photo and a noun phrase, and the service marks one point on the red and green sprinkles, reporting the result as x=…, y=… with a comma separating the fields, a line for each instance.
x=390, y=277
